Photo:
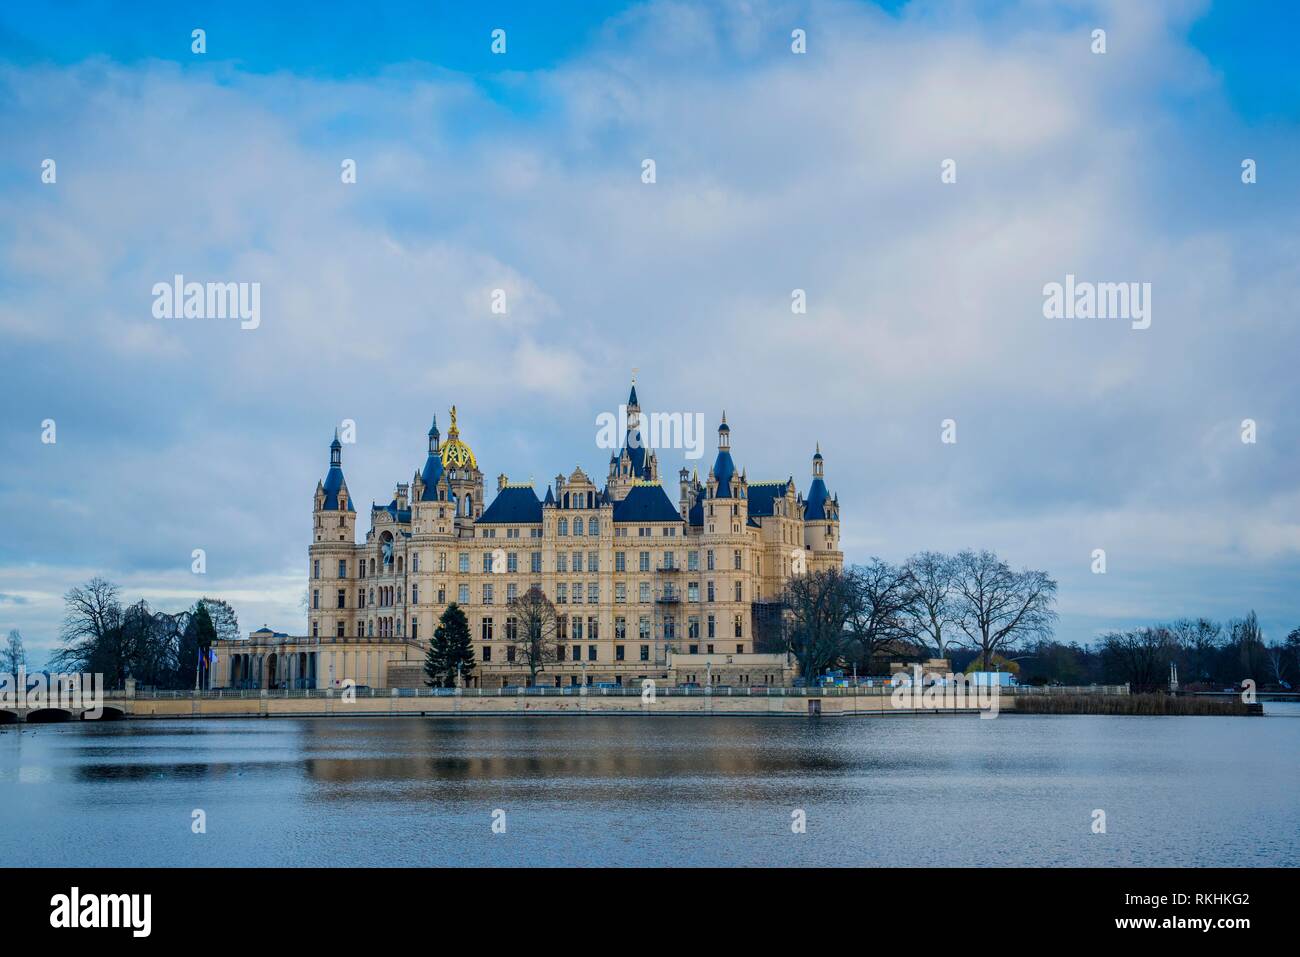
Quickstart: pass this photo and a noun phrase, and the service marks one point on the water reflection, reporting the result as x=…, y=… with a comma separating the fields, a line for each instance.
x=626, y=789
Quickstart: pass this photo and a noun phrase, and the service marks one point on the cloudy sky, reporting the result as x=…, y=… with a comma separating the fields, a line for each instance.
x=775, y=171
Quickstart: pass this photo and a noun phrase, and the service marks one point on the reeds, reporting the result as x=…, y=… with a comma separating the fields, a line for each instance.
x=1134, y=704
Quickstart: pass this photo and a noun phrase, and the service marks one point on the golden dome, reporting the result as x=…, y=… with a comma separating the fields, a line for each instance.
x=455, y=453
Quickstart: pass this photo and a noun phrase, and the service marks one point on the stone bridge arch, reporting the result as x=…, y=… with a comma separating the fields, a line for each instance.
x=48, y=715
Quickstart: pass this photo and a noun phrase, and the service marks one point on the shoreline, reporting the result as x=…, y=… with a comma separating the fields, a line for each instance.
x=802, y=705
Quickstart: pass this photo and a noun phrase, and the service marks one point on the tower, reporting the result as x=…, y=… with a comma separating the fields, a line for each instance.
x=461, y=474
x=333, y=514
x=723, y=483
x=821, y=515
x=331, y=602
x=432, y=504
x=634, y=462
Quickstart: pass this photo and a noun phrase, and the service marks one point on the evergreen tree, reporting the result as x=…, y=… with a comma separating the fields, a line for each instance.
x=200, y=633
x=450, y=651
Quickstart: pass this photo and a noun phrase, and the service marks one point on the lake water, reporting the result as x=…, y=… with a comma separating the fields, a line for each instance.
x=622, y=790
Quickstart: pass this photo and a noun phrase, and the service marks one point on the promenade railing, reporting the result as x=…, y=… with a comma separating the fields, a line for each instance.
x=718, y=691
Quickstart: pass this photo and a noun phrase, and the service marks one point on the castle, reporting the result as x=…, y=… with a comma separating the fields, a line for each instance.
x=642, y=587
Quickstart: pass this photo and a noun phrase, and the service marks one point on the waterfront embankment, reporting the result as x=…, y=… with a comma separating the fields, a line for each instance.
x=774, y=702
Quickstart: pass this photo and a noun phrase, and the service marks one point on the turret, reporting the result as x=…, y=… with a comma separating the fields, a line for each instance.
x=335, y=516
x=461, y=468
x=726, y=509
x=332, y=553
x=634, y=462
x=821, y=512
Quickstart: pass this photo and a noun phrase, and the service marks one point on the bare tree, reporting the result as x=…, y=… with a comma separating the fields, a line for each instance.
x=1140, y=657
x=996, y=605
x=819, y=605
x=92, y=633
x=536, y=630
x=931, y=615
x=13, y=657
x=882, y=595
x=1246, y=638
x=1200, y=640
x=1276, y=655
x=223, y=618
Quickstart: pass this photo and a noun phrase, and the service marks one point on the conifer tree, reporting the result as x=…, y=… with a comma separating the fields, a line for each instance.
x=450, y=651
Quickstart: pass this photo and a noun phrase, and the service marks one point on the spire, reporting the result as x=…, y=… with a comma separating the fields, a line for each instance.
x=639, y=463
x=724, y=469
x=432, y=472
x=817, y=497
x=334, y=487
x=456, y=454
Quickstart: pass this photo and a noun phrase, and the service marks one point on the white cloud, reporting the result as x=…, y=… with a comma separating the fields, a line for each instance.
x=775, y=172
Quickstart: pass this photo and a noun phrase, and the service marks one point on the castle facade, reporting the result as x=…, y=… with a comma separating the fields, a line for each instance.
x=642, y=586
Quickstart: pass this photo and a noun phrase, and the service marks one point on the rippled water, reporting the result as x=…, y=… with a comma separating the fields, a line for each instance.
x=673, y=790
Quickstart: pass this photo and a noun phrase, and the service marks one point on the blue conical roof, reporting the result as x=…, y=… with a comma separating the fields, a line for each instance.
x=814, y=506
x=724, y=470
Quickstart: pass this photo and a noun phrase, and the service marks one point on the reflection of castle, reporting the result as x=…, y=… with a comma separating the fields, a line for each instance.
x=634, y=578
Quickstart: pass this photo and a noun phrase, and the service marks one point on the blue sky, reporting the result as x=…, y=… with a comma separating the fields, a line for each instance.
x=478, y=171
